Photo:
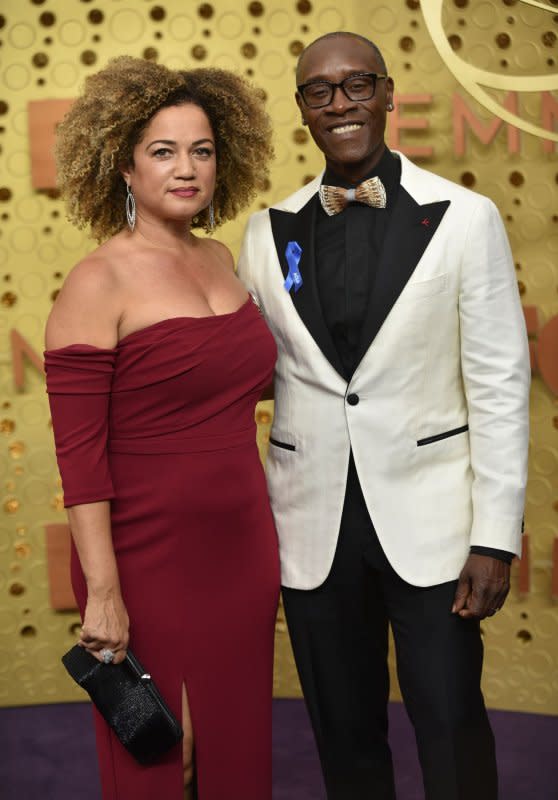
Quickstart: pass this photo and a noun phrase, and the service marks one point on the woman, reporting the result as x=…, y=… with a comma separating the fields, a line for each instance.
x=155, y=359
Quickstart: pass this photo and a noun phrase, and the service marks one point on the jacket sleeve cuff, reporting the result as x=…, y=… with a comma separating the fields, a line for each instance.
x=497, y=534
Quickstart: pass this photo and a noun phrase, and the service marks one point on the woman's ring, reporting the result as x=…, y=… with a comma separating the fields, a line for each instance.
x=107, y=656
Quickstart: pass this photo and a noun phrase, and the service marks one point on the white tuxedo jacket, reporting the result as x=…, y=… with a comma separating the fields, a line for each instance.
x=436, y=413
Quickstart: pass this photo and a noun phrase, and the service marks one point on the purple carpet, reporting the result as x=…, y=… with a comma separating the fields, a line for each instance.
x=48, y=753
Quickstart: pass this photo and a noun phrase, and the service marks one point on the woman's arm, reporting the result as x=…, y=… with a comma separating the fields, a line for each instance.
x=105, y=622
x=85, y=313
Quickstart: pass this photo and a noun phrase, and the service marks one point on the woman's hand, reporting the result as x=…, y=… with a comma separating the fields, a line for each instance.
x=105, y=625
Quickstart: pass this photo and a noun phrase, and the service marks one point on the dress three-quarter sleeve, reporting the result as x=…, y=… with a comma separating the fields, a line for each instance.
x=78, y=380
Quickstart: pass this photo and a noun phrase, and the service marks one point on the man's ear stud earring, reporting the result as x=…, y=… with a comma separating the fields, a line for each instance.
x=389, y=106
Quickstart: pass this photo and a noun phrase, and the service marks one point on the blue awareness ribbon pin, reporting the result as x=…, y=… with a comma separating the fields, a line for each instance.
x=294, y=278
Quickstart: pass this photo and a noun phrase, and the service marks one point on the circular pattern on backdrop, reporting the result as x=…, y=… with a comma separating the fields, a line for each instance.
x=526, y=56
x=21, y=35
x=181, y=27
x=382, y=20
x=531, y=225
x=273, y=64
x=41, y=462
x=7, y=625
x=71, y=33
x=545, y=624
x=38, y=578
x=483, y=15
x=540, y=491
x=541, y=406
x=279, y=23
x=480, y=55
x=33, y=285
x=478, y=153
x=30, y=327
x=65, y=74
x=28, y=209
x=36, y=492
x=71, y=238
x=543, y=694
x=230, y=25
x=23, y=239
x=428, y=59
x=331, y=19
x=284, y=110
x=540, y=196
x=16, y=77
x=19, y=122
x=18, y=163
x=539, y=663
x=531, y=16
x=126, y=25
x=541, y=276
x=545, y=461
x=48, y=253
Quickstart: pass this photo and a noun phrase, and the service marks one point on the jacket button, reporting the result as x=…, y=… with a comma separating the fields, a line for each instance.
x=353, y=399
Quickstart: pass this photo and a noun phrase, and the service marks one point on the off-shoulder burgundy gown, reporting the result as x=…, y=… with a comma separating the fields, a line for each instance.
x=163, y=427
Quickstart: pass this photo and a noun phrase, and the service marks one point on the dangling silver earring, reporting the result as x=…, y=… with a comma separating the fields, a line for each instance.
x=211, y=213
x=130, y=208
x=389, y=107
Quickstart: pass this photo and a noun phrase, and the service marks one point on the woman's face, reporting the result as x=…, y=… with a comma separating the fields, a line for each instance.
x=173, y=175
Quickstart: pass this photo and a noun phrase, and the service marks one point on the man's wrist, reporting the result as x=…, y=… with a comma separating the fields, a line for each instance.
x=501, y=555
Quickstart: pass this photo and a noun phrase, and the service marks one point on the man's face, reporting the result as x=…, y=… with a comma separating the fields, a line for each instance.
x=349, y=133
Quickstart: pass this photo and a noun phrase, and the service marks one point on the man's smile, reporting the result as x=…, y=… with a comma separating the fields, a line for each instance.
x=346, y=128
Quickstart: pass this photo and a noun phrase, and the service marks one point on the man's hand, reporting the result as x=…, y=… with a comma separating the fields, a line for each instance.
x=482, y=587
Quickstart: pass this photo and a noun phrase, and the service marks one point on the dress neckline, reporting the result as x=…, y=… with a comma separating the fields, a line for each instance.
x=249, y=300
x=182, y=318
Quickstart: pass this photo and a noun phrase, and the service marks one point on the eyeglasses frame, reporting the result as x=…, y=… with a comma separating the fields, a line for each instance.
x=375, y=75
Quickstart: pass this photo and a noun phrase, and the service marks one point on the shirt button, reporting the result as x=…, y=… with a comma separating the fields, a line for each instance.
x=353, y=399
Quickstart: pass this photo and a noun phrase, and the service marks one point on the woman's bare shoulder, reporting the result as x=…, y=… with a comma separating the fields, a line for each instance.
x=217, y=251
x=86, y=309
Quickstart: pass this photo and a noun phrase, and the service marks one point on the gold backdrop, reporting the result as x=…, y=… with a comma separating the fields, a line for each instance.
x=49, y=46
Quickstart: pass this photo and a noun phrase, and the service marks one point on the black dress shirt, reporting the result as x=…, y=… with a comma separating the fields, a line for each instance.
x=348, y=247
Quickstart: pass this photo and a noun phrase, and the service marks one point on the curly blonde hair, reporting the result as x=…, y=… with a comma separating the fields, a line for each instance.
x=98, y=135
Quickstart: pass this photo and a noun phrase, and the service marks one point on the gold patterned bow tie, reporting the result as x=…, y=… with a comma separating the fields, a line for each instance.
x=371, y=192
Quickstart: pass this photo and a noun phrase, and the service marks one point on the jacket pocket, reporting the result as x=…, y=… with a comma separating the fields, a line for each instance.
x=283, y=445
x=445, y=435
x=415, y=290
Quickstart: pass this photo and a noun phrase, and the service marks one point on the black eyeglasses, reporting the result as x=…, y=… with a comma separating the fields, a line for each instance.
x=317, y=94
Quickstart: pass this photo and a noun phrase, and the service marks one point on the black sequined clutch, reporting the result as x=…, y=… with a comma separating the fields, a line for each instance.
x=129, y=701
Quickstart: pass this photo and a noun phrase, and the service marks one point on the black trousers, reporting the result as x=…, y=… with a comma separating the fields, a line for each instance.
x=339, y=634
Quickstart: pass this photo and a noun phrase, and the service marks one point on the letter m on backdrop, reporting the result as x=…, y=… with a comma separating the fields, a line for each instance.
x=463, y=117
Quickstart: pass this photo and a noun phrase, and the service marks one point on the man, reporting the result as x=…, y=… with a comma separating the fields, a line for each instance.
x=397, y=459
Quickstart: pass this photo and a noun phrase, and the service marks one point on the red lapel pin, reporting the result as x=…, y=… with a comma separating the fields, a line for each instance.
x=425, y=221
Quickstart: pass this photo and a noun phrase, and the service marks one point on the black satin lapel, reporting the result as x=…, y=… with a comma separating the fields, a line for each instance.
x=410, y=230
x=289, y=227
